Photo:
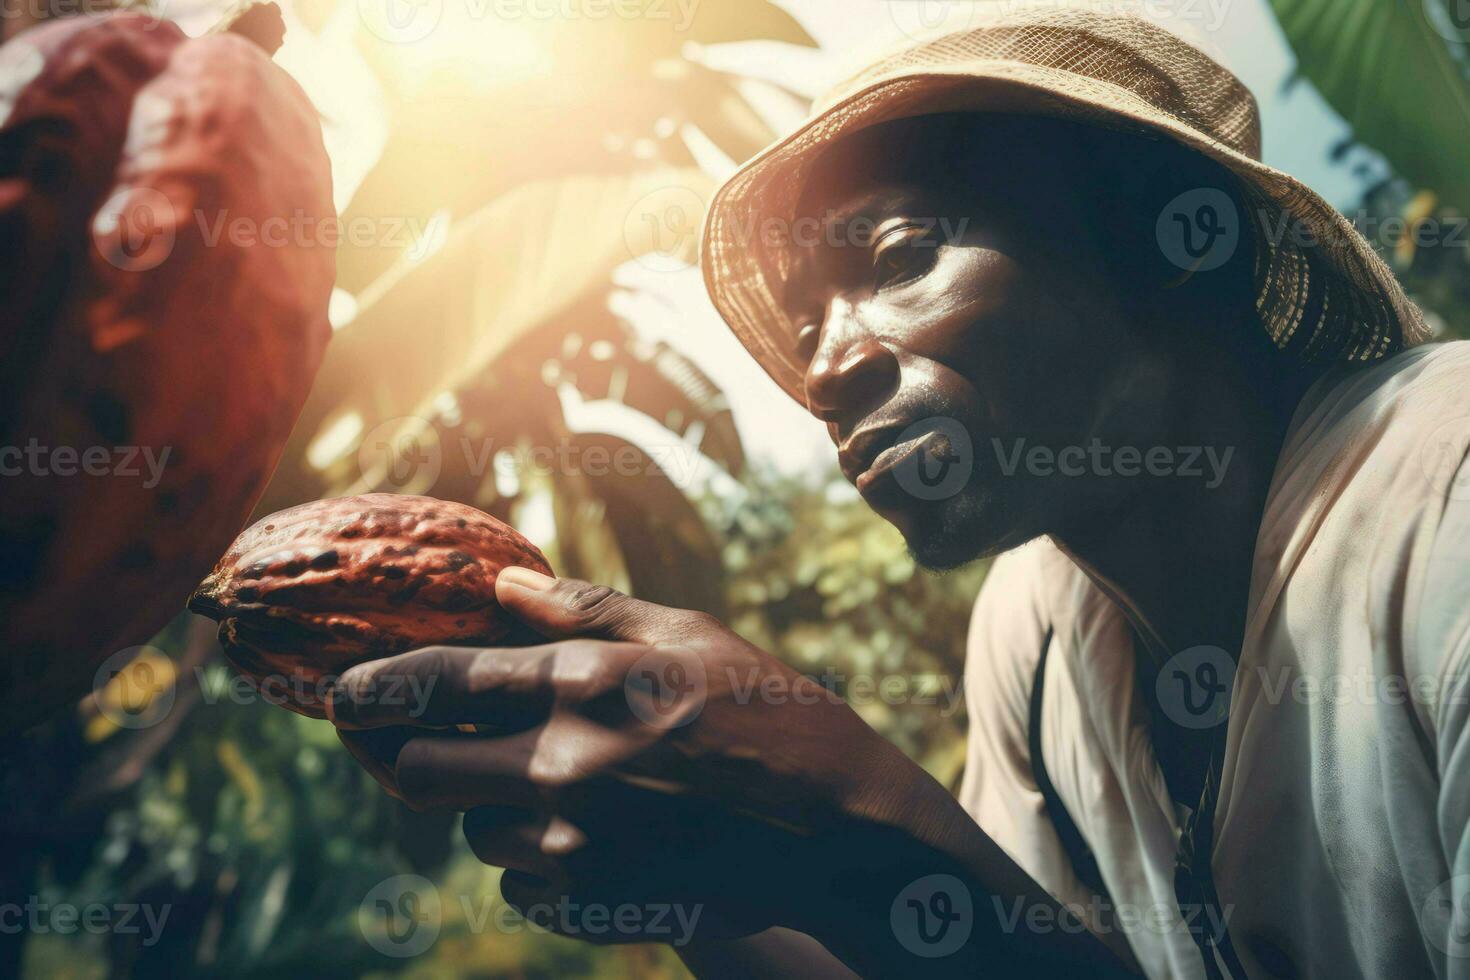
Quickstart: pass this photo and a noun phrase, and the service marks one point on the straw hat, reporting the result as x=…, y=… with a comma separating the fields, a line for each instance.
x=1322, y=293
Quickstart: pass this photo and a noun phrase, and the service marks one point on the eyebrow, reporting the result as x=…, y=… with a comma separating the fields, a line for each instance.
x=807, y=261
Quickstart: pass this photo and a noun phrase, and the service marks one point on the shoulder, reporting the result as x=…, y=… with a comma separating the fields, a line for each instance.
x=1019, y=602
x=1030, y=595
x=1372, y=499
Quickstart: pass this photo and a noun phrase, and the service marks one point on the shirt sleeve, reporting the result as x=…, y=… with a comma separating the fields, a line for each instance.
x=1011, y=623
x=1443, y=644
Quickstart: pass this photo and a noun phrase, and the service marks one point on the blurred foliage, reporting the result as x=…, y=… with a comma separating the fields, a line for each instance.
x=1399, y=75
x=1428, y=247
x=262, y=836
x=819, y=580
x=1397, y=72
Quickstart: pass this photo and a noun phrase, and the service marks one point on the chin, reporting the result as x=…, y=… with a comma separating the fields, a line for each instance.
x=943, y=535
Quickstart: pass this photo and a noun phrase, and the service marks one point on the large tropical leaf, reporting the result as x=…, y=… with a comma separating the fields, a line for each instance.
x=428, y=326
x=657, y=381
x=669, y=553
x=1398, y=79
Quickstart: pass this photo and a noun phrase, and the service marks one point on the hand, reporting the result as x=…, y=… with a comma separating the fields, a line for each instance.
x=645, y=755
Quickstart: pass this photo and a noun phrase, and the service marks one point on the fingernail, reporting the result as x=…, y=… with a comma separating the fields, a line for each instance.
x=526, y=578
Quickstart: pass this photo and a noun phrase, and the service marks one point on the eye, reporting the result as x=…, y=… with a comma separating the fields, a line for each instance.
x=901, y=256
x=806, y=341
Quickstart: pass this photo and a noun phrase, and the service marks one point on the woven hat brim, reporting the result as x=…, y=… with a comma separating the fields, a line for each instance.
x=1322, y=292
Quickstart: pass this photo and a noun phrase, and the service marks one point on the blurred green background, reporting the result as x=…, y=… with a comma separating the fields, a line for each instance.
x=520, y=308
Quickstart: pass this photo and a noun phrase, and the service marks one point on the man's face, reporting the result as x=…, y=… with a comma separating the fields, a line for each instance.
x=953, y=318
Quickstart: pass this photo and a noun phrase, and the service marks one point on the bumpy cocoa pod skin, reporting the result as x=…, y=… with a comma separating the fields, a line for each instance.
x=159, y=329
x=306, y=593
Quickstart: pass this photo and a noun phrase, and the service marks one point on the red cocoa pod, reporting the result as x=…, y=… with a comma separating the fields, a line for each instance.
x=306, y=593
x=158, y=370
x=66, y=92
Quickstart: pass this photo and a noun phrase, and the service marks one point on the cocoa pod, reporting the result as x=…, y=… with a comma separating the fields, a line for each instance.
x=306, y=593
x=155, y=358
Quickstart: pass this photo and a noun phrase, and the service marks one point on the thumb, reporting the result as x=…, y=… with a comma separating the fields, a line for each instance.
x=566, y=608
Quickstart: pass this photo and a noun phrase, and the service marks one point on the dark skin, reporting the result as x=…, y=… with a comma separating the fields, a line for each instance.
x=792, y=825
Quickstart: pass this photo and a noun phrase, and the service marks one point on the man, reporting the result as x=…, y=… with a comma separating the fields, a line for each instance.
x=1040, y=288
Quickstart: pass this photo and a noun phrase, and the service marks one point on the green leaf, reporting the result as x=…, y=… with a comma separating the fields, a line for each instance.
x=428, y=327
x=1397, y=80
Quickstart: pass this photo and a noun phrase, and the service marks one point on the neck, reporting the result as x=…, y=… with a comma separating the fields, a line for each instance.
x=1177, y=554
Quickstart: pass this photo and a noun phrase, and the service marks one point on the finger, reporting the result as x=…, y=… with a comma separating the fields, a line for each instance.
x=570, y=909
x=508, y=689
x=461, y=772
x=377, y=752
x=523, y=891
x=563, y=608
x=522, y=840
x=556, y=907
x=441, y=686
x=569, y=758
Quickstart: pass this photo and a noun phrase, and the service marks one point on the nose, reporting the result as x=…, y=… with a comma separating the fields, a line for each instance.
x=847, y=375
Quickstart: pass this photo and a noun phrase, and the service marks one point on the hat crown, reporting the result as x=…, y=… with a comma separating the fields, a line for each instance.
x=1121, y=51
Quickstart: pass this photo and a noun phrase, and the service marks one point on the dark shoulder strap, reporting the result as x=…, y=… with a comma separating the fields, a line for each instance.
x=1084, y=864
x=1194, y=881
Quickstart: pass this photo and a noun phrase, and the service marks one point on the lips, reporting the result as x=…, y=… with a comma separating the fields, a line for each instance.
x=863, y=447
x=891, y=458
x=871, y=452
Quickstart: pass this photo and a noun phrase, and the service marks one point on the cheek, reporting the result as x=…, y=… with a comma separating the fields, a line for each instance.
x=1016, y=347
x=1051, y=358
x=940, y=315
x=948, y=327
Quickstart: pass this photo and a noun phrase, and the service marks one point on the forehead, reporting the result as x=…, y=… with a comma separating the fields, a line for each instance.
x=858, y=171
x=906, y=168
x=946, y=155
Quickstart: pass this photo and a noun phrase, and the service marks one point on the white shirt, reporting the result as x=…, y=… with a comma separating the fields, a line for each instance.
x=1342, y=830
